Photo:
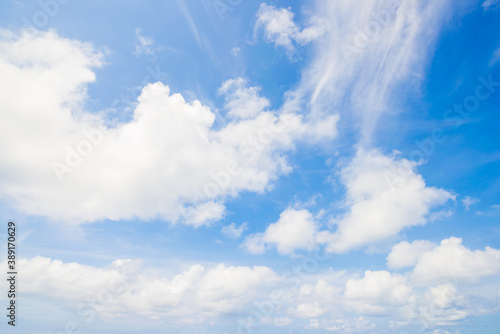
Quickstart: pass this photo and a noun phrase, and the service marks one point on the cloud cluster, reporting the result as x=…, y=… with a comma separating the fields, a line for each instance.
x=65, y=163
x=328, y=299
x=125, y=287
x=384, y=195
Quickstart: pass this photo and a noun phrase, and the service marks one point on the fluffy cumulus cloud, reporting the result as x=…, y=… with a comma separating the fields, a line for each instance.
x=168, y=162
x=451, y=261
x=377, y=290
x=315, y=300
x=295, y=230
x=384, y=195
x=281, y=30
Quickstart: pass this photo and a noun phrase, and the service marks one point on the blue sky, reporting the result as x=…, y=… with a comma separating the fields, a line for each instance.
x=222, y=166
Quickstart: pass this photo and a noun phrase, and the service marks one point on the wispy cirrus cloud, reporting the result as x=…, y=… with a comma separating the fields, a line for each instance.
x=367, y=42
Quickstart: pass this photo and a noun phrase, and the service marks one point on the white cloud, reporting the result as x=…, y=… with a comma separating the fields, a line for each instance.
x=280, y=29
x=405, y=254
x=295, y=230
x=384, y=196
x=233, y=231
x=442, y=296
x=467, y=202
x=144, y=45
x=242, y=102
x=167, y=162
x=451, y=260
x=377, y=290
x=380, y=41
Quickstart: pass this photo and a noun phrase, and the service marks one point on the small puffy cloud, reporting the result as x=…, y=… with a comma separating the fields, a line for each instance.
x=405, y=254
x=242, y=102
x=377, y=290
x=280, y=29
x=335, y=300
x=144, y=44
x=233, y=231
x=467, y=202
x=295, y=230
x=451, y=260
x=316, y=299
